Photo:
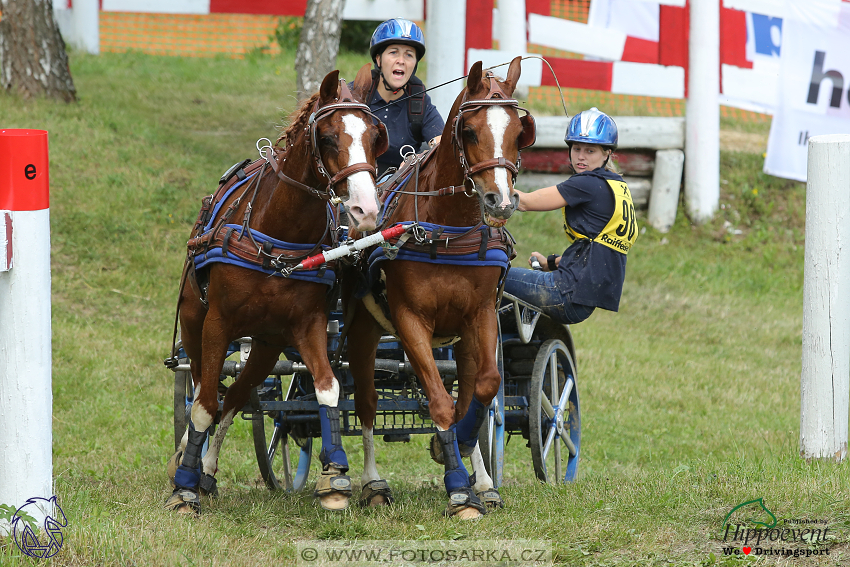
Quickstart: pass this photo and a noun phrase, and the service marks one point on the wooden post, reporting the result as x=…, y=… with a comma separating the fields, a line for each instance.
x=26, y=396
x=825, y=379
x=702, y=123
x=666, y=182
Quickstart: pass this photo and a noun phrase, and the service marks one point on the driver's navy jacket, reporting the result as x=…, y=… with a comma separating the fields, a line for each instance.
x=395, y=116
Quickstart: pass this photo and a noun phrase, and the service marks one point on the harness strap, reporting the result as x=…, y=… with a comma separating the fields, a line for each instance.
x=491, y=164
x=346, y=172
x=482, y=250
x=435, y=237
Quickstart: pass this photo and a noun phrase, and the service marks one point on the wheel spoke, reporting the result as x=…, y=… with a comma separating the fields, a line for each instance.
x=273, y=444
x=547, y=408
x=548, y=444
x=562, y=403
x=558, y=473
x=565, y=437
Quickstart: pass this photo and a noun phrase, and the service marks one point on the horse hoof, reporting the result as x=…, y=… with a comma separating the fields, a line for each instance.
x=464, y=504
x=491, y=498
x=468, y=514
x=172, y=465
x=436, y=450
x=376, y=493
x=184, y=502
x=334, y=502
x=333, y=490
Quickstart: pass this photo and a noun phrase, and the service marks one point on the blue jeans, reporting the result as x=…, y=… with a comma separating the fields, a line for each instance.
x=540, y=289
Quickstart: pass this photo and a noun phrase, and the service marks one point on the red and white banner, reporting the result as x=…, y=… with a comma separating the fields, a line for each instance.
x=354, y=9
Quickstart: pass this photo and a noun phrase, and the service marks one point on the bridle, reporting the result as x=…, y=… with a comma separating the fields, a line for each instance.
x=495, y=97
x=345, y=101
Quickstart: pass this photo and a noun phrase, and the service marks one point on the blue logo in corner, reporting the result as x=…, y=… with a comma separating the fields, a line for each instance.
x=24, y=527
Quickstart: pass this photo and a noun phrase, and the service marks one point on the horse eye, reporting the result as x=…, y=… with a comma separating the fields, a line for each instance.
x=469, y=135
x=327, y=141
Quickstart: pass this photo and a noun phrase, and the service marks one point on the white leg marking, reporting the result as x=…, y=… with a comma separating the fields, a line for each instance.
x=370, y=468
x=210, y=460
x=201, y=418
x=330, y=396
x=497, y=120
x=482, y=479
x=362, y=200
x=184, y=440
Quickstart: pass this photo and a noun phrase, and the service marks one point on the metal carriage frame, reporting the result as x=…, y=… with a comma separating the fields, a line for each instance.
x=537, y=400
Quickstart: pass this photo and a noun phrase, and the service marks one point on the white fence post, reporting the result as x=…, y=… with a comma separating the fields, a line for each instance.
x=85, y=15
x=446, y=52
x=666, y=182
x=26, y=397
x=702, y=123
x=825, y=379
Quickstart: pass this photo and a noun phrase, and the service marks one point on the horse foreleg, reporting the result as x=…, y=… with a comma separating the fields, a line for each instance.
x=185, y=497
x=364, y=335
x=260, y=363
x=479, y=380
x=416, y=340
x=333, y=488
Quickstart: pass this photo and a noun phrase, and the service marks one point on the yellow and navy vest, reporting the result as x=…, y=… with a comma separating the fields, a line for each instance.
x=621, y=231
x=600, y=224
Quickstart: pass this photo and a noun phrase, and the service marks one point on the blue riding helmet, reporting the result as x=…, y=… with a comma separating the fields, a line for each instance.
x=592, y=127
x=397, y=30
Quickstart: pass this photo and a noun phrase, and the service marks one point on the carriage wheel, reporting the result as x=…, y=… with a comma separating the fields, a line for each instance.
x=183, y=394
x=554, y=421
x=277, y=448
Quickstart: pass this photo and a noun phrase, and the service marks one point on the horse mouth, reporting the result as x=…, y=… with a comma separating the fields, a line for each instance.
x=495, y=223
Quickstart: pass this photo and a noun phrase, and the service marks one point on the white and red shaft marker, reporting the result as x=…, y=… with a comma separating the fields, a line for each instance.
x=26, y=396
x=348, y=248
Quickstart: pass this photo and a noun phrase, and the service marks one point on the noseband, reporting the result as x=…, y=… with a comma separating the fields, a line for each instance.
x=496, y=97
x=345, y=101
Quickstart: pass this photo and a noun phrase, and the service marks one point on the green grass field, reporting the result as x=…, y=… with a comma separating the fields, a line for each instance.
x=690, y=394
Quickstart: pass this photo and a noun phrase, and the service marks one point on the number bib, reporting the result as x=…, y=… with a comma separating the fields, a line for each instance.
x=621, y=231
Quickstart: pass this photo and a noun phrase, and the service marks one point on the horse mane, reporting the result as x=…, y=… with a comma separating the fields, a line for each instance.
x=298, y=119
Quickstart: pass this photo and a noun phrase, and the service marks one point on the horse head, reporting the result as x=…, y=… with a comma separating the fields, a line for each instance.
x=488, y=133
x=347, y=142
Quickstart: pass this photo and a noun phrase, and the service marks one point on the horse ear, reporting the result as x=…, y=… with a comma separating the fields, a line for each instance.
x=473, y=80
x=362, y=83
x=330, y=87
x=513, y=76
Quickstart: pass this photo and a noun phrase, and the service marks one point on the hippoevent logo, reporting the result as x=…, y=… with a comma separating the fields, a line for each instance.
x=750, y=528
x=24, y=527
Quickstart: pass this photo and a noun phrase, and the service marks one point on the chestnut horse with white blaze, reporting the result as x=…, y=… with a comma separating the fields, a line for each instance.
x=462, y=197
x=284, y=207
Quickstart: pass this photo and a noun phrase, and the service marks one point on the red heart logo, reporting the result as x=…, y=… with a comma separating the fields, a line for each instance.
x=747, y=550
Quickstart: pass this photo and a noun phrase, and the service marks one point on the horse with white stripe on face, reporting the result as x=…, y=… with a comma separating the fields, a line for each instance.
x=447, y=284
x=267, y=216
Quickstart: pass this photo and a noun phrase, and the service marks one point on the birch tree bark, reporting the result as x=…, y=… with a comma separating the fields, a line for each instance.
x=319, y=44
x=33, y=61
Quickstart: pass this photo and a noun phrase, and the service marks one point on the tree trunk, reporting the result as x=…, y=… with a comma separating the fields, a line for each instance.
x=319, y=44
x=33, y=61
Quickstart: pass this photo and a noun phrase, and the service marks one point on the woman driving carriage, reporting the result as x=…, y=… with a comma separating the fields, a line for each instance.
x=396, y=48
x=599, y=221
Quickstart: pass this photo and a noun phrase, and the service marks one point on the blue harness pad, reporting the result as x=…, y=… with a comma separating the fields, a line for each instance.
x=224, y=198
x=213, y=255
x=493, y=257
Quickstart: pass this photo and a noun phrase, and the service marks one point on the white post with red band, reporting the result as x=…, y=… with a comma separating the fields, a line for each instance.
x=26, y=396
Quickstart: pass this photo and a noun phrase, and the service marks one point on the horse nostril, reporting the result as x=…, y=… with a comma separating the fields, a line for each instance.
x=515, y=201
x=491, y=200
x=357, y=211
